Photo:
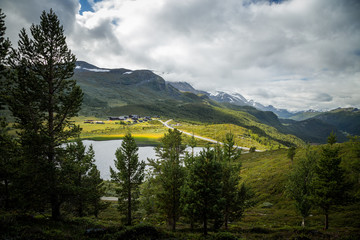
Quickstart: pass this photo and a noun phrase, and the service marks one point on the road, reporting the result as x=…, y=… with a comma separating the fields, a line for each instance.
x=199, y=137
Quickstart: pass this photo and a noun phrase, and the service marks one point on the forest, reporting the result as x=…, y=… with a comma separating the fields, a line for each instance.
x=51, y=188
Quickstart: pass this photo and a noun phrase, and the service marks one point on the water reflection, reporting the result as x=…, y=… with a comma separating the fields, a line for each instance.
x=105, y=154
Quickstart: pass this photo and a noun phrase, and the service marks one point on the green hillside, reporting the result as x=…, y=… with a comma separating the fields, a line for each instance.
x=345, y=119
x=116, y=92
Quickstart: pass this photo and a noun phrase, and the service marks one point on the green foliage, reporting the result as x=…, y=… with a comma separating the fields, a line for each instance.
x=82, y=180
x=4, y=50
x=138, y=232
x=42, y=101
x=203, y=188
x=344, y=119
x=170, y=173
x=235, y=195
x=252, y=149
x=8, y=166
x=291, y=153
x=299, y=184
x=332, y=138
x=129, y=177
x=329, y=186
x=224, y=236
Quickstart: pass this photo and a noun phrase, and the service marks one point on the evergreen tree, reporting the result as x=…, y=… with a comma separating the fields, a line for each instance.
x=332, y=138
x=95, y=185
x=328, y=185
x=129, y=177
x=171, y=174
x=234, y=195
x=7, y=144
x=203, y=188
x=8, y=166
x=299, y=184
x=43, y=99
x=291, y=153
x=82, y=179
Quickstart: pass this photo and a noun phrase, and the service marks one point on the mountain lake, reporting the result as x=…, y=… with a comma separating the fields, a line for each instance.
x=105, y=154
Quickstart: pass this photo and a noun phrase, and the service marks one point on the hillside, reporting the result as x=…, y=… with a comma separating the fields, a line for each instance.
x=344, y=119
x=115, y=92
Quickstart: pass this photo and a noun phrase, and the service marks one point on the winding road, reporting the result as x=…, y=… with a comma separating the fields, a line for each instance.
x=166, y=124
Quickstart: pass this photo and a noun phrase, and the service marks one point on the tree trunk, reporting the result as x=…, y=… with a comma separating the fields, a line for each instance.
x=129, y=207
x=55, y=207
x=205, y=225
x=303, y=223
x=326, y=221
x=7, y=200
x=174, y=223
x=226, y=219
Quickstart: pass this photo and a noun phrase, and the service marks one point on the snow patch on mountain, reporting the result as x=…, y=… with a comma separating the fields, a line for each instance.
x=92, y=69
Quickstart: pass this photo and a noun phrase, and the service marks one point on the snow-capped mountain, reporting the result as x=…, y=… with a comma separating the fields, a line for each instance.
x=233, y=98
x=229, y=97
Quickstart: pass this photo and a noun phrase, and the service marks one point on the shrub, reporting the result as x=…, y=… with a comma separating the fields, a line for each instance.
x=138, y=232
x=224, y=236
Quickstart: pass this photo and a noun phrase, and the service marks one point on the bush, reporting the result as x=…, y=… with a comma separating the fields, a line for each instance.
x=138, y=232
x=252, y=149
x=224, y=236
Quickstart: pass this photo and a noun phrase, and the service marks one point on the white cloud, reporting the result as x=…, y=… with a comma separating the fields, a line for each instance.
x=299, y=54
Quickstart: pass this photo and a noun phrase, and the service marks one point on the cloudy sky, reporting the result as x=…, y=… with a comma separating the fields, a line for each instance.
x=294, y=54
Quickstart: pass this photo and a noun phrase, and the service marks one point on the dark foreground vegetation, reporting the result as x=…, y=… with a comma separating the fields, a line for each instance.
x=51, y=189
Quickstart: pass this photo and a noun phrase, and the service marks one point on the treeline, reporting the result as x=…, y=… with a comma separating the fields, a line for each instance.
x=203, y=188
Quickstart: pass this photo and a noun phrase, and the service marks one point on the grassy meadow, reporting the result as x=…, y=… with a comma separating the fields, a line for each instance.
x=272, y=216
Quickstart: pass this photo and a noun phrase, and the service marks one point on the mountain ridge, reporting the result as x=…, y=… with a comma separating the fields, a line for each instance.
x=111, y=92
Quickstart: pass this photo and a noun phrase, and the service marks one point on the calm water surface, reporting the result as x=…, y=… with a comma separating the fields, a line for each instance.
x=105, y=154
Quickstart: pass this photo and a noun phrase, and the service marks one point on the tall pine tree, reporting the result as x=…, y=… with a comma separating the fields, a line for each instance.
x=171, y=175
x=129, y=177
x=202, y=191
x=299, y=183
x=234, y=194
x=329, y=186
x=81, y=179
x=43, y=99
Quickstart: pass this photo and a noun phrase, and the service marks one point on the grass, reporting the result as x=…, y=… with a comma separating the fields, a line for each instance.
x=145, y=133
x=266, y=174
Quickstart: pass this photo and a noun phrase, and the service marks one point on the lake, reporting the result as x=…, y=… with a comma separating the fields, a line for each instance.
x=105, y=154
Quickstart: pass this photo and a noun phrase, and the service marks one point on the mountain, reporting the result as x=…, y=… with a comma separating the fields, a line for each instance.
x=344, y=119
x=121, y=91
x=232, y=98
x=303, y=115
x=186, y=87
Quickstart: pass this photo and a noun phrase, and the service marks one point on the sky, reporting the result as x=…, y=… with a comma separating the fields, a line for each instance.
x=293, y=54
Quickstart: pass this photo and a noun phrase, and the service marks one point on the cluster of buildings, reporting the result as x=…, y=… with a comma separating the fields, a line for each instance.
x=134, y=118
x=93, y=122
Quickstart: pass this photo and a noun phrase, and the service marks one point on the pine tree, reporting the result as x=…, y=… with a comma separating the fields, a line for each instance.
x=43, y=99
x=299, y=184
x=82, y=179
x=171, y=174
x=328, y=185
x=129, y=177
x=203, y=188
x=291, y=153
x=95, y=185
x=234, y=195
x=332, y=138
x=7, y=144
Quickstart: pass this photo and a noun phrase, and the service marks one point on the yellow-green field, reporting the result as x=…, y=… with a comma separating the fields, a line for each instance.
x=150, y=131
x=242, y=136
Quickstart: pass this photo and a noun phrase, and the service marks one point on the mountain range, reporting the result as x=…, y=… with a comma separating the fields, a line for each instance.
x=121, y=91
